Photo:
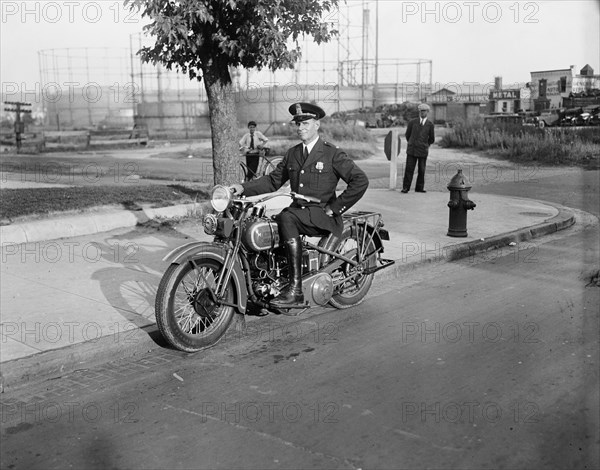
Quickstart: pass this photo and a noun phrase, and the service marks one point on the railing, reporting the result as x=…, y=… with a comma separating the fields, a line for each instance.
x=74, y=139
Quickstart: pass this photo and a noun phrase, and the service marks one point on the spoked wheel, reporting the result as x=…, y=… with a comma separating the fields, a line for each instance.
x=271, y=165
x=186, y=312
x=350, y=283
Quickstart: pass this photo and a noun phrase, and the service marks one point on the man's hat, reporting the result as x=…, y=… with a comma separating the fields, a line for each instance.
x=305, y=111
x=423, y=106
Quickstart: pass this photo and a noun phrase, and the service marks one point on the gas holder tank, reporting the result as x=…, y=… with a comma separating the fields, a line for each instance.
x=260, y=234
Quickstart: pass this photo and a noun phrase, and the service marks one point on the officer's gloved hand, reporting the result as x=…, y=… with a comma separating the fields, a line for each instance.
x=236, y=189
x=328, y=211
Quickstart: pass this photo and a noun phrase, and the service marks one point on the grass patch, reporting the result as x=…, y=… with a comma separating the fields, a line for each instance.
x=44, y=201
x=550, y=146
x=104, y=169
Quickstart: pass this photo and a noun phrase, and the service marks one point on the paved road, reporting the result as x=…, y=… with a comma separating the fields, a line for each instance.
x=490, y=362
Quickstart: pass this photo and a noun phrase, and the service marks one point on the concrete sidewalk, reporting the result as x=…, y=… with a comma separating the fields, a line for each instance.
x=67, y=303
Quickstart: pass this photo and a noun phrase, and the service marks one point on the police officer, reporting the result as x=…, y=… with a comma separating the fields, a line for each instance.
x=314, y=168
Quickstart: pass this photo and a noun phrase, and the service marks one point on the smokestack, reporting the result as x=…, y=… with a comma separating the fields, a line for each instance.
x=498, y=83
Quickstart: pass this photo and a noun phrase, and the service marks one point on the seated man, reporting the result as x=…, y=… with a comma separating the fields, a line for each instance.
x=252, y=140
x=314, y=168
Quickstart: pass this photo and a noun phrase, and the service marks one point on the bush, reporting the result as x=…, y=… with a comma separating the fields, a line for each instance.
x=519, y=143
x=331, y=130
x=337, y=131
x=357, y=141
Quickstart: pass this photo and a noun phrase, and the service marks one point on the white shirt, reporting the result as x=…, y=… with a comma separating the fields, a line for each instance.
x=310, y=145
x=259, y=138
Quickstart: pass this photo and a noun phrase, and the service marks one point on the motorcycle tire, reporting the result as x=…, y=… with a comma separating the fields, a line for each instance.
x=186, y=316
x=353, y=291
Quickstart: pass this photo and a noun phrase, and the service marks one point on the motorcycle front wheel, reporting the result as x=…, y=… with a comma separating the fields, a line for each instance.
x=186, y=312
x=351, y=284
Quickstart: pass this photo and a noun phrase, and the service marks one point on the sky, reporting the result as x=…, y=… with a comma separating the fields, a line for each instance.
x=467, y=41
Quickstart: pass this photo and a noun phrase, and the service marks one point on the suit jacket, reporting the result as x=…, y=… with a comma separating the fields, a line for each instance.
x=419, y=138
x=318, y=177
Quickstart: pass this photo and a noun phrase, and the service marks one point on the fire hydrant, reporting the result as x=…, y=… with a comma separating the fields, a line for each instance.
x=459, y=204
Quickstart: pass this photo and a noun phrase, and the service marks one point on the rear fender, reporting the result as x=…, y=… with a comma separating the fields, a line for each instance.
x=216, y=252
x=377, y=238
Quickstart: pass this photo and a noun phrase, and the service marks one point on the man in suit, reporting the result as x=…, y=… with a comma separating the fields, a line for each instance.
x=314, y=168
x=419, y=135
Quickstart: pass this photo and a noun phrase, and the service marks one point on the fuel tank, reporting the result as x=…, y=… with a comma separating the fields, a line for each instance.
x=260, y=234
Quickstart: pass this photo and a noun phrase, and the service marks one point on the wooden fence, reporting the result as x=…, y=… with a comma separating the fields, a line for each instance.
x=73, y=139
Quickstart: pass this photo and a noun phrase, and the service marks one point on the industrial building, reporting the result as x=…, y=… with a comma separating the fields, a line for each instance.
x=551, y=89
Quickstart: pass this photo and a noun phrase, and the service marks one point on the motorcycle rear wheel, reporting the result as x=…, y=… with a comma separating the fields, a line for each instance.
x=186, y=314
x=352, y=291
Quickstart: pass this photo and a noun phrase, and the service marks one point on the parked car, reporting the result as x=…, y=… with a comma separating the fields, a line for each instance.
x=495, y=120
x=595, y=118
x=529, y=118
x=570, y=117
x=585, y=118
x=550, y=117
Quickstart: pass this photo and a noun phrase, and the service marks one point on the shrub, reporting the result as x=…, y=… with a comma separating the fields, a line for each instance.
x=337, y=131
x=519, y=143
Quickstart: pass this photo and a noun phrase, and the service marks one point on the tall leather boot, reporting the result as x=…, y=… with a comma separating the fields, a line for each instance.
x=292, y=294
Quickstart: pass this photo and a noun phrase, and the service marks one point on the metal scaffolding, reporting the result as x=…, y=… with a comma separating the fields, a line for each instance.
x=94, y=86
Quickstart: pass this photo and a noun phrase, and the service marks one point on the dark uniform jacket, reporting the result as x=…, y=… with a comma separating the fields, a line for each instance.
x=318, y=177
x=419, y=138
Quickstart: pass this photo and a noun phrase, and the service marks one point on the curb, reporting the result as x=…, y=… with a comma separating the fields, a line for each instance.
x=55, y=363
x=564, y=219
x=89, y=224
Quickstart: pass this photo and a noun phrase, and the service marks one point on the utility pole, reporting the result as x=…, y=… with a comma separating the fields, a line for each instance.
x=365, y=53
x=376, y=87
x=19, y=125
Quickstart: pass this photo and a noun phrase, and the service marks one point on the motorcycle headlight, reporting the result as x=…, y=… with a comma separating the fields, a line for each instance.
x=220, y=198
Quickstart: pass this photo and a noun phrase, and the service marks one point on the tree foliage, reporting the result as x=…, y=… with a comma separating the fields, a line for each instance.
x=205, y=38
x=197, y=34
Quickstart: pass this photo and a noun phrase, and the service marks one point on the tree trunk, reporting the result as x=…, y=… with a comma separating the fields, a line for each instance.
x=223, y=124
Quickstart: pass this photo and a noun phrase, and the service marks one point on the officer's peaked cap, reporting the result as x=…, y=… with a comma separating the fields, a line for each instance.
x=305, y=111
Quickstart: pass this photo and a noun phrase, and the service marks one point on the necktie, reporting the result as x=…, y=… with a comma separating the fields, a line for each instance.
x=305, y=153
x=422, y=121
x=251, y=141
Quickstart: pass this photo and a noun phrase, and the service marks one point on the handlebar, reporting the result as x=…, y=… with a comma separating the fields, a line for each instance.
x=291, y=194
x=256, y=152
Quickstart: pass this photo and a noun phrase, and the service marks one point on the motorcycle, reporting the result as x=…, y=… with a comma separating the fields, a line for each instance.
x=244, y=268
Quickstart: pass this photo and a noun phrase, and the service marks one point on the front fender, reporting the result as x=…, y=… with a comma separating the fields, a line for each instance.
x=216, y=252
